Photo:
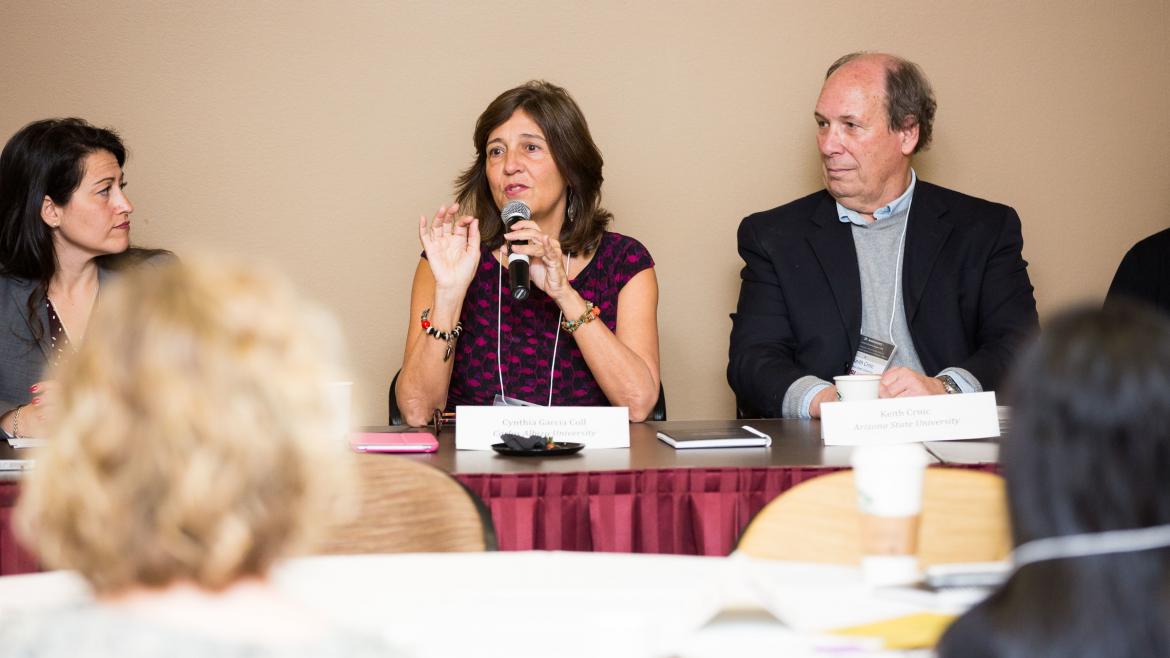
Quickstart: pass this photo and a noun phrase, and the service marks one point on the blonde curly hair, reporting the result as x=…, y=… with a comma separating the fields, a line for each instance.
x=191, y=440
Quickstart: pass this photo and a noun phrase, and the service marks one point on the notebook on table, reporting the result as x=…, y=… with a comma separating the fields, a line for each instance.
x=417, y=441
x=735, y=437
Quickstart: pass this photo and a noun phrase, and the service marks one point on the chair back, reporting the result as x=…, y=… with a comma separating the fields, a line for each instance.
x=964, y=519
x=410, y=507
x=395, y=413
x=742, y=410
x=659, y=410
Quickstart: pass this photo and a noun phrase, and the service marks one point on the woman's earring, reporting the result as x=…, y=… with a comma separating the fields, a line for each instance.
x=572, y=210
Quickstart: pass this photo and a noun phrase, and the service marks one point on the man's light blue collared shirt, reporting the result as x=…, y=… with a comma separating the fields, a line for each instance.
x=847, y=216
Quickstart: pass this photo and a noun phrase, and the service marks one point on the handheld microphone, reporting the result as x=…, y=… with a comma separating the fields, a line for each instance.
x=518, y=279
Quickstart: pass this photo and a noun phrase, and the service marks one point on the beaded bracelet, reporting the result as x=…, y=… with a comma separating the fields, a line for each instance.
x=591, y=312
x=446, y=336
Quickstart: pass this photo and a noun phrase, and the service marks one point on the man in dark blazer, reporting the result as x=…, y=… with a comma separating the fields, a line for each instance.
x=1144, y=273
x=879, y=272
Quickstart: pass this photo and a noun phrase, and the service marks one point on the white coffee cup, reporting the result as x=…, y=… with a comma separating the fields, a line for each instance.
x=888, y=479
x=851, y=388
x=339, y=396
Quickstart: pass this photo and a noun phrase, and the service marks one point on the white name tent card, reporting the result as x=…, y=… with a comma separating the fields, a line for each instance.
x=477, y=428
x=910, y=420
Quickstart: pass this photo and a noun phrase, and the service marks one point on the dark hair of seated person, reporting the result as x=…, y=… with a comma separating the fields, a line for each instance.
x=1088, y=451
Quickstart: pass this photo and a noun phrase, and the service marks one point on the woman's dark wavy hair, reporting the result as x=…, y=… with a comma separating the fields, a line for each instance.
x=46, y=159
x=1089, y=451
x=577, y=157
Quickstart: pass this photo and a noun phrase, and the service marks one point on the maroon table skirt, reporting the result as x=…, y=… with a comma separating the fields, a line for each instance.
x=690, y=511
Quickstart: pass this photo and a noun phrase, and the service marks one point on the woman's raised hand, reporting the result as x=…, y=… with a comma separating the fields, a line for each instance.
x=452, y=247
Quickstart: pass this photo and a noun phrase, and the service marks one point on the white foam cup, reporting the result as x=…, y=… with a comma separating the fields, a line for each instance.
x=851, y=388
x=888, y=479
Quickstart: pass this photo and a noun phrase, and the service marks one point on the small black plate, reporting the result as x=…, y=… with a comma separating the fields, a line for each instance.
x=563, y=448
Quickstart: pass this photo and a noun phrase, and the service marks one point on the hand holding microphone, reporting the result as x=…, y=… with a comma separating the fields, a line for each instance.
x=518, y=276
x=548, y=271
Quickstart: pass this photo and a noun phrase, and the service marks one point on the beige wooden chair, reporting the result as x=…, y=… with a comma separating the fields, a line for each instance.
x=964, y=519
x=411, y=507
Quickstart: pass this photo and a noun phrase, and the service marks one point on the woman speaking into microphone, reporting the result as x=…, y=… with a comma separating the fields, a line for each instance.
x=584, y=331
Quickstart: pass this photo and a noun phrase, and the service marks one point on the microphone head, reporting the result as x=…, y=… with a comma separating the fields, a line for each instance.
x=514, y=212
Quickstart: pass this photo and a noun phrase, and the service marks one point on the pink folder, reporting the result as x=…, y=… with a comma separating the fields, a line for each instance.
x=393, y=442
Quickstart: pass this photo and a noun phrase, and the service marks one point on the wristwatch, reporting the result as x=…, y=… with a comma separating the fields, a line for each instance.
x=949, y=384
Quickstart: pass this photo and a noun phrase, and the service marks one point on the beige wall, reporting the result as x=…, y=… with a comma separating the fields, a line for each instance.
x=313, y=134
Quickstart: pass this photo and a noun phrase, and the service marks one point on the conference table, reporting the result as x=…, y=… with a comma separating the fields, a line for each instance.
x=648, y=498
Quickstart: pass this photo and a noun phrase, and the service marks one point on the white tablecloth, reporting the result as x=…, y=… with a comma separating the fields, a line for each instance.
x=518, y=604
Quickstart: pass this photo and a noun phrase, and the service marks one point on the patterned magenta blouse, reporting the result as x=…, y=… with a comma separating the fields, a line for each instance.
x=529, y=329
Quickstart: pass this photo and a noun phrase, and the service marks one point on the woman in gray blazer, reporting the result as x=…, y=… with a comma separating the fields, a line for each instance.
x=64, y=225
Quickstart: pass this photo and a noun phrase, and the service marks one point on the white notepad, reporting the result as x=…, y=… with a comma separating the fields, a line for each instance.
x=736, y=437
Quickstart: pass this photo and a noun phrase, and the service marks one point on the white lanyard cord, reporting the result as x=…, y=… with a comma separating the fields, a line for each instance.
x=1092, y=543
x=500, y=332
x=898, y=269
